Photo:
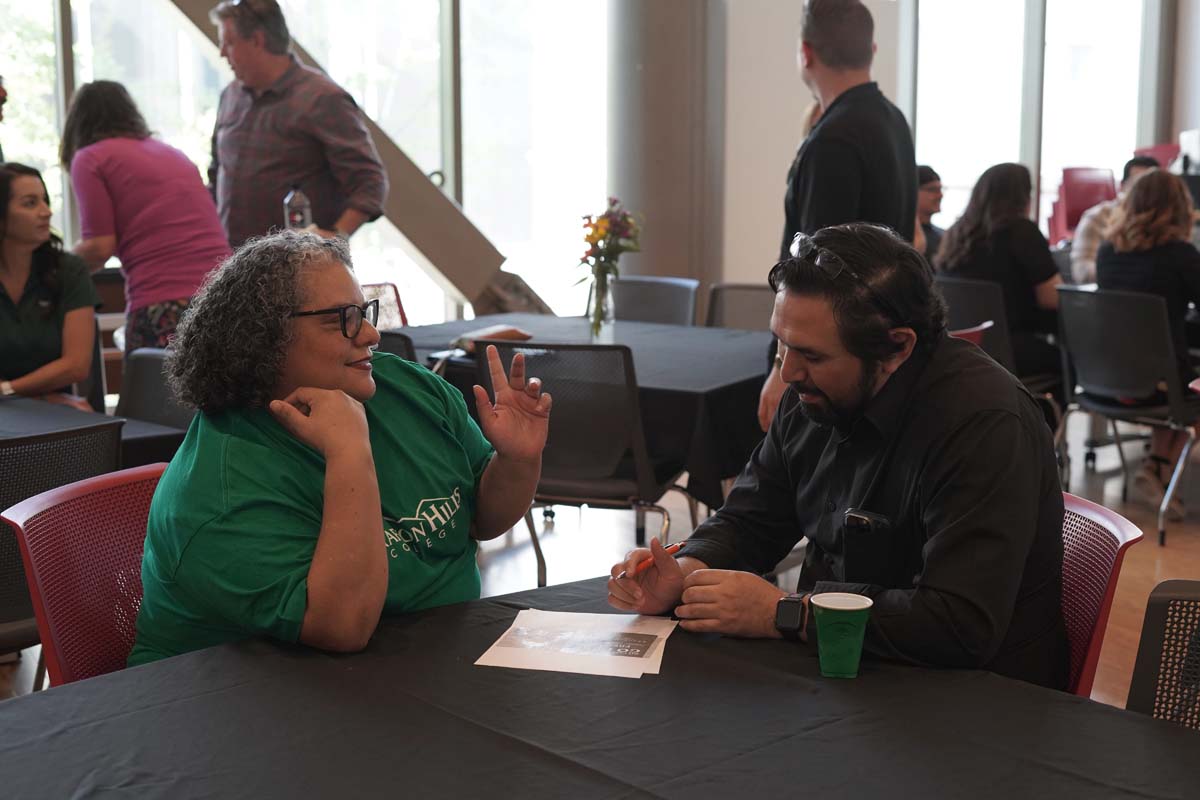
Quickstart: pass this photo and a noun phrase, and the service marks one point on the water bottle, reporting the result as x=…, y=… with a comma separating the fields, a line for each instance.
x=297, y=211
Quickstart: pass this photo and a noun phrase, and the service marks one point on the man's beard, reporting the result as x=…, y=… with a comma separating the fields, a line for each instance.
x=840, y=416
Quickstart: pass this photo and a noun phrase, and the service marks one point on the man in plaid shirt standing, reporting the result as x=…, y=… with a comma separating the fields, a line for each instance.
x=279, y=124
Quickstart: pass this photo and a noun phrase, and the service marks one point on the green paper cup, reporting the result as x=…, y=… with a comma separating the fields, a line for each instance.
x=841, y=623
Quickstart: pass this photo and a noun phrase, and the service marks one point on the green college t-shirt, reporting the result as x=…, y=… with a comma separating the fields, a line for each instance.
x=236, y=517
x=31, y=329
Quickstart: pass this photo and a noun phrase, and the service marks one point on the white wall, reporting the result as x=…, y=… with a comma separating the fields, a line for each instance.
x=764, y=104
x=1187, y=68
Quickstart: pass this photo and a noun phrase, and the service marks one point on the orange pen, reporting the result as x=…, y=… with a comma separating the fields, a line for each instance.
x=644, y=565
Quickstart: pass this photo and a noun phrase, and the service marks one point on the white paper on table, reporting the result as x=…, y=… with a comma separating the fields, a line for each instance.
x=591, y=644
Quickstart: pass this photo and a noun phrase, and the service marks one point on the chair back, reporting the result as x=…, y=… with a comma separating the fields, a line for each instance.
x=596, y=424
x=970, y=302
x=391, y=310
x=145, y=394
x=30, y=465
x=82, y=549
x=974, y=334
x=95, y=386
x=1166, y=675
x=1095, y=540
x=1119, y=344
x=644, y=298
x=1082, y=188
x=1164, y=153
x=747, y=306
x=397, y=343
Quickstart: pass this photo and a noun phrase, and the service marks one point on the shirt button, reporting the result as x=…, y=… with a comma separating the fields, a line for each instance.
x=831, y=506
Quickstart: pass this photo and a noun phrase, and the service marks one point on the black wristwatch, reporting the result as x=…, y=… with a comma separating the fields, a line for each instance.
x=791, y=615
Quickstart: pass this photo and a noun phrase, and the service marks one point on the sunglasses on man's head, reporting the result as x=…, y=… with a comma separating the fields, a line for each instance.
x=351, y=316
x=832, y=265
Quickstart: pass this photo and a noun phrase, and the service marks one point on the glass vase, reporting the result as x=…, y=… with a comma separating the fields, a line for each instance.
x=602, y=314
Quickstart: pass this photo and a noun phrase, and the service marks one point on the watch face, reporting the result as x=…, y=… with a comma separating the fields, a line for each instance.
x=789, y=611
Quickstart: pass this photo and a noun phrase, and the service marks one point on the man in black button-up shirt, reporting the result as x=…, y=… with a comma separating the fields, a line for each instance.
x=884, y=414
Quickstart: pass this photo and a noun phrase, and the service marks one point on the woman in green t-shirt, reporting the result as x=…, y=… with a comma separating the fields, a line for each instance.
x=322, y=483
x=47, y=301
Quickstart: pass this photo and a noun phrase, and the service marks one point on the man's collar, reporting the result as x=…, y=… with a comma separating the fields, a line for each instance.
x=888, y=408
x=281, y=84
x=870, y=87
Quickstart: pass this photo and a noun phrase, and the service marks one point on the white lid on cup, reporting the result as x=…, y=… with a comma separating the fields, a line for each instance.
x=841, y=601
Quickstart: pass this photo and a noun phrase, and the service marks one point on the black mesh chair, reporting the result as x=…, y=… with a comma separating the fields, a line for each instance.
x=144, y=392
x=397, y=343
x=1120, y=346
x=1166, y=675
x=596, y=449
x=970, y=302
x=94, y=387
x=747, y=306
x=642, y=298
x=30, y=465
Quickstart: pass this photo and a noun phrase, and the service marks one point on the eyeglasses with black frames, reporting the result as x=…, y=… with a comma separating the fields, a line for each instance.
x=830, y=263
x=351, y=316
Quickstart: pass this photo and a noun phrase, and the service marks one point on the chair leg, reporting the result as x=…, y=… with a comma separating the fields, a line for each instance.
x=537, y=549
x=639, y=516
x=664, y=532
x=1063, y=450
x=1124, y=468
x=39, y=675
x=1180, y=466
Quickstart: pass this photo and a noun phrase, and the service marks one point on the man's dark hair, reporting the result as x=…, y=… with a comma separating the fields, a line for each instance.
x=100, y=110
x=840, y=32
x=886, y=268
x=1144, y=162
x=926, y=174
x=256, y=15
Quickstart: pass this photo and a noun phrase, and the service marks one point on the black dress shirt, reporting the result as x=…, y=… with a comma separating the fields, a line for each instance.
x=857, y=165
x=954, y=452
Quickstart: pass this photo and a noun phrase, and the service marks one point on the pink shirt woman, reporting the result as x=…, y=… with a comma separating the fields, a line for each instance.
x=144, y=201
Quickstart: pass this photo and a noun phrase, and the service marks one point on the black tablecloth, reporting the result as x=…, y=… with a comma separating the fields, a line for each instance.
x=698, y=387
x=141, y=442
x=413, y=717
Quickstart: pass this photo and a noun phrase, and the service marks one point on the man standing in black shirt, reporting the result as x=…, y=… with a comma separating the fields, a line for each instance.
x=885, y=414
x=858, y=163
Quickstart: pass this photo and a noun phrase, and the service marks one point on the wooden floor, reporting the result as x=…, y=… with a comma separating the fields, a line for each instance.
x=583, y=543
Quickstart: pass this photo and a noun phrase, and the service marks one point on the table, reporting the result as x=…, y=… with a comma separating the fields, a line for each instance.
x=141, y=442
x=698, y=387
x=411, y=716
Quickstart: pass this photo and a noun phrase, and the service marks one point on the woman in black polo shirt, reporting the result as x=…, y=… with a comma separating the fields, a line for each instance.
x=994, y=240
x=47, y=301
x=1148, y=249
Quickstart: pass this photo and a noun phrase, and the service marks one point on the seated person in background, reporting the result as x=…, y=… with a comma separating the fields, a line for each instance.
x=929, y=202
x=885, y=413
x=1089, y=233
x=142, y=200
x=322, y=483
x=1149, y=249
x=994, y=240
x=47, y=301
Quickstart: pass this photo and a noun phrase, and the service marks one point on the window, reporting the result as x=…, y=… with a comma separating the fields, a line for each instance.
x=969, y=67
x=535, y=146
x=1090, y=89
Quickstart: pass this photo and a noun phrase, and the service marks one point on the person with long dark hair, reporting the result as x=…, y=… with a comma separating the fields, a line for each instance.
x=994, y=240
x=47, y=301
x=1149, y=249
x=144, y=201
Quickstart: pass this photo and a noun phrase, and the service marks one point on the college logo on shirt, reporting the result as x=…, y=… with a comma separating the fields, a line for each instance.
x=434, y=516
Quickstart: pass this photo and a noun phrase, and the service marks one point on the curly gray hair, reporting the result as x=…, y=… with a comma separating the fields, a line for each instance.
x=231, y=342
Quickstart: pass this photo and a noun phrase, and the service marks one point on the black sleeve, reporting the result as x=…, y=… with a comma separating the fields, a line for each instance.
x=980, y=495
x=1031, y=252
x=829, y=185
x=757, y=525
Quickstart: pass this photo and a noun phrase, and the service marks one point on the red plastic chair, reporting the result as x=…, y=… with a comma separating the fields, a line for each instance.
x=1164, y=153
x=974, y=334
x=391, y=310
x=82, y=548
x=1082, y=188
x=1094, y=543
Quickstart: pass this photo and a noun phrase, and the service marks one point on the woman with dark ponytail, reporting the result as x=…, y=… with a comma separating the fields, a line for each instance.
x=47, y=301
